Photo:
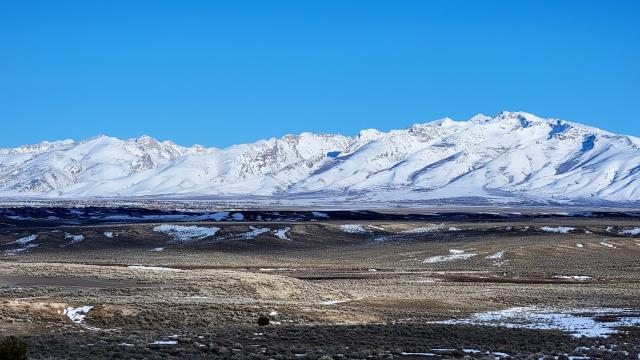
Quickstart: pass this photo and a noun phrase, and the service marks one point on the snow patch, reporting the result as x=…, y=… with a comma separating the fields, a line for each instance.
x=586, y=322
x=20, y=250
x=152, y=268
x=255, y=231
x=353, y=228
x=25, y=240
x=454, y=255
x=164, y=342
x=74, y=238
x=559, y=229
x=282, y=233
x=333, y=302
x=635, y=231
x=186, y=233
x=609, y=245
x=320, y=214
x=237, y=217
x=78, y=314
x=108, y=234
x=574, y=277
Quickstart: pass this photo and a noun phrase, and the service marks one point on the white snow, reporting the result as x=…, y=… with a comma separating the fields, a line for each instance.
x=282, y=233
x=273, y=313
x=78, y=314
x=333, y=302
x=431, y=228
x=454, y=255
x=497, y=256
x=353, y=228
x=74, y=238
x=156, y=249
x=255, y=231
x=517, y=154
x=609, y=245
x=376, y=227
x=320, y=214
x=152, y=268
x=579, y=245
x=538, y=159
x=577, y=322
x=418, y=354
x=237, y=216
x=559, y=229
x=20, y=250
x=164, y=342
x=186, y=233
x=25, y=240
x=635, y=231
x=574, y=277
x=108, y=234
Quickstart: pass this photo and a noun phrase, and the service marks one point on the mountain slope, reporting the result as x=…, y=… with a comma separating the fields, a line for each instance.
x=513, y=156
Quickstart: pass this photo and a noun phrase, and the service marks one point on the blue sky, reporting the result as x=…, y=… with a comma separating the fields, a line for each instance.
x=224, y=72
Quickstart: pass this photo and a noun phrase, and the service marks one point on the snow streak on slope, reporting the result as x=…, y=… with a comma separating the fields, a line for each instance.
x=513, y=156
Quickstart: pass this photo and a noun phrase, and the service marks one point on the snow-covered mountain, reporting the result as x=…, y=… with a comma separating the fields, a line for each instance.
x=512, y=157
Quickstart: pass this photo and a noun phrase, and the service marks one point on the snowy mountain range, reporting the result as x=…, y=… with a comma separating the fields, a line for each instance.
x=511, y=157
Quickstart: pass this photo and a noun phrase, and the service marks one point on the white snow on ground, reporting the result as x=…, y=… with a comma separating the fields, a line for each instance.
x=273, y=313
x=497, y=256
x=78, y=314
x=237, y=217
x=320, y=214
x=453, y=256
x=25, y=240
x=108, y=234
x=157, y=249
x=74, y=238
x=186, y=233
x=574, y=277
x=255, y=231
x=559, y=229
x=20, y=250
x=609, y=229
x=219, y=216
x=578, y=245
x=577, y=322
x=611, y=246
x=453, y=228
x=152, y=268
x=282, y=233
x=272, y=269
x=353, y=228
x=376, y=227
x=418, y=354
x=635, y=231
x=426, y=229
x=333, y=302
x=164, y=342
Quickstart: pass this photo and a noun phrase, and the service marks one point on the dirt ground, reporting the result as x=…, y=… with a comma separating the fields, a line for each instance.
x=343, y=289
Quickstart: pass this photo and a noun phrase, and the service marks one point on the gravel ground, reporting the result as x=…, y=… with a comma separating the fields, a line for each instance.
x=327, y=292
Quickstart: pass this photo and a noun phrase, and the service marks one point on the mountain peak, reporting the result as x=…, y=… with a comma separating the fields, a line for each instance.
x=484, y=157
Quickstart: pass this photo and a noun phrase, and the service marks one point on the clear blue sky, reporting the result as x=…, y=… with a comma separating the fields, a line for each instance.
x=224, y=72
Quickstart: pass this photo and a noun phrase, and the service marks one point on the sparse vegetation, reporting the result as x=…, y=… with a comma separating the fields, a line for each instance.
x=13, y=348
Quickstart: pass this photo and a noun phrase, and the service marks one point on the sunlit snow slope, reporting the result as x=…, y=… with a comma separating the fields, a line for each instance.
x=513, y=156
